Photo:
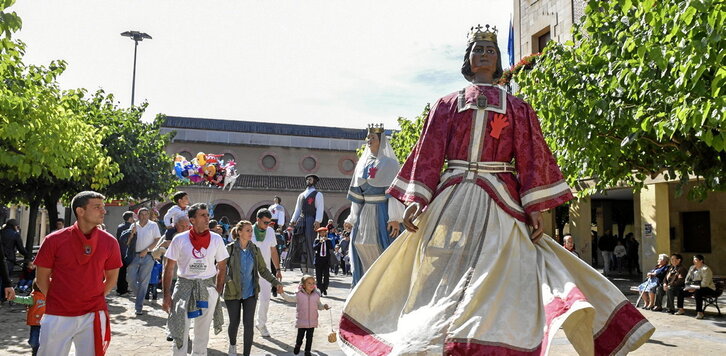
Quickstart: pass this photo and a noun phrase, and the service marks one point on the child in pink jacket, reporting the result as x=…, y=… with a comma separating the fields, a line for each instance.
x=308, y=303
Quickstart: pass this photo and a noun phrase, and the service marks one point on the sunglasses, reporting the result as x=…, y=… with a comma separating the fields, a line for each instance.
x=267, y=222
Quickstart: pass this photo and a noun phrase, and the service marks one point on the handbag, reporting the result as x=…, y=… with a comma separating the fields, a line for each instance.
x=333, y=336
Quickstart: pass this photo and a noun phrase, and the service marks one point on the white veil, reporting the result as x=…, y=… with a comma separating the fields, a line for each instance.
x=386, y=163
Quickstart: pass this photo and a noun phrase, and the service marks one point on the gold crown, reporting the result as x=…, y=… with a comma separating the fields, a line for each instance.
x=376, y=128
x=476, y=34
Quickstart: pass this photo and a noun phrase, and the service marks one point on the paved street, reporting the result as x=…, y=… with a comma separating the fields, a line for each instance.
x=675, y=335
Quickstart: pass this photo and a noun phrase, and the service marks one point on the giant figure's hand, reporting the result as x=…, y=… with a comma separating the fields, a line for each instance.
x=393, y=228
x=534, y=219
x=347, y=226
x=411, y=213
x=316, y=225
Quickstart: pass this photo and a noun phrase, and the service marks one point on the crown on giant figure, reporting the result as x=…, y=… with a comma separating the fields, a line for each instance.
x=479, y=33
x=376, y=128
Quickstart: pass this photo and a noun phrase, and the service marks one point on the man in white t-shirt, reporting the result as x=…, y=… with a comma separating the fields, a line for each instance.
x=278, y=212
x=264, y=238
x=144, y=236
x=199, y=282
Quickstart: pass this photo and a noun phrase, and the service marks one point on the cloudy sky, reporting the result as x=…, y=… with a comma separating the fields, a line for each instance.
x=333, y=63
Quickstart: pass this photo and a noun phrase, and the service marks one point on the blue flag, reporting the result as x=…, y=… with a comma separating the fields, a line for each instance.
x=510, y=44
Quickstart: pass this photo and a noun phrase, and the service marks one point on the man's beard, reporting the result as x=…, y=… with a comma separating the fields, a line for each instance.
x=310, y=184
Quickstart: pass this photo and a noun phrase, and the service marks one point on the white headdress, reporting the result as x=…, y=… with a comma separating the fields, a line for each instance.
x=385, y=163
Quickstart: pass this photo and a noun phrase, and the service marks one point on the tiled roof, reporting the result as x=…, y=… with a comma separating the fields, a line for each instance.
x=287, y=183
x=264, y=128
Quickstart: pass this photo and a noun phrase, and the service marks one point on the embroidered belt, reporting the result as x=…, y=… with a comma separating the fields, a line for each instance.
x=482, y=167
x=377, y=198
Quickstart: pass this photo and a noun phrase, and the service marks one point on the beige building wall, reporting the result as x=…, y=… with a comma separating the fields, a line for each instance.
x=289, y=160
x=534, y=18
x=715, y=204
x=330, y=164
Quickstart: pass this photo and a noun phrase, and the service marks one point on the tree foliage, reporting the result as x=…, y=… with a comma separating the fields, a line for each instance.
x=54, y=143
x=41, y=131
x=403, y=140
x=639, y=92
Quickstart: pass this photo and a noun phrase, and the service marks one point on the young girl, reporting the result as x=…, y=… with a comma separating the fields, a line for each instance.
x=308, y=303
x=36, y=308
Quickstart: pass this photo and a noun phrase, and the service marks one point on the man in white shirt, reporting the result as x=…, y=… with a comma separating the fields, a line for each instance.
x=306, y=219
x=277, y=211
x=144, y=236
x=199, y=282
x=264, y=238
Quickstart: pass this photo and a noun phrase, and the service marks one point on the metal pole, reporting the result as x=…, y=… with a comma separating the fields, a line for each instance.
x=133, y=81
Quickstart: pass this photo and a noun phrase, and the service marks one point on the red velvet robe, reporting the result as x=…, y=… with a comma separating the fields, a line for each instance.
x=538, y=183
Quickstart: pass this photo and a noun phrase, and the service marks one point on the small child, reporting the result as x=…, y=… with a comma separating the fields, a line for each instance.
x=36, y=308
x=27, y=275
x=308, y=303
x=181, y=199
x=620, y=253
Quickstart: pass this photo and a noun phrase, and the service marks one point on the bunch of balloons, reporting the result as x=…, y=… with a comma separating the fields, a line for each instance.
x=206, y=168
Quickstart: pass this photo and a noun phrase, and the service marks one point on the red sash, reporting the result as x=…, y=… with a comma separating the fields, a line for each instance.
x=100, y=343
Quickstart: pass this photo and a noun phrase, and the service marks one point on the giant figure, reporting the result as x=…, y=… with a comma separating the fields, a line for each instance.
x=305, y=220
x=469, y=277
x=375, y=216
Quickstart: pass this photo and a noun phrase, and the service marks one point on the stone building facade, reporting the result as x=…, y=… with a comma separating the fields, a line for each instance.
x=537, y=22
x=272, y=160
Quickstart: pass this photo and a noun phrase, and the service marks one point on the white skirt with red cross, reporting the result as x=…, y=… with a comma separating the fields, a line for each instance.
x=470, y=282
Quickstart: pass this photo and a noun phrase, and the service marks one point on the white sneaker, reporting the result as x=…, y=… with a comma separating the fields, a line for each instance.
x=263, y=330
x=232, y=350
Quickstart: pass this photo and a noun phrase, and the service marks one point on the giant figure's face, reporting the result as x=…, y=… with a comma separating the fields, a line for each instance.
x=373, y=142
x=483, y=57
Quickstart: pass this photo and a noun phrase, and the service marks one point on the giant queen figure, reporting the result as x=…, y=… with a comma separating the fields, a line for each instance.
x=474, y=274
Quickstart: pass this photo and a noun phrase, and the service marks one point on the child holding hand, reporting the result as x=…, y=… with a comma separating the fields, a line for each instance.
x=308, y=303
x=36, y=308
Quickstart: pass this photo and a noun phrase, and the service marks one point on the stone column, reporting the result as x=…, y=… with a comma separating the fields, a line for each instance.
x=43, y=224
x=580, y=227
x=654, y=229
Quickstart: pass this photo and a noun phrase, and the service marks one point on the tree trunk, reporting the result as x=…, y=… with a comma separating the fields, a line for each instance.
x=32, y=219
x=51, y=205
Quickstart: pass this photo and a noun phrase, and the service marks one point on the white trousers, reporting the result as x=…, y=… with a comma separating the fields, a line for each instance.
x=58, y=332
x=263, y=303
x=201, y=329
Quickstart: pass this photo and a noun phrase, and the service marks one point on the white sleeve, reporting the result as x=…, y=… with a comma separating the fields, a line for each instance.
x=395, y=210
x=354, y=212
x=221, y=254
x=156, y=233
x=319, y=207
x=169, y=214
x=288, y=297
x=281, y=217
x=171, y=251
x=298, y=208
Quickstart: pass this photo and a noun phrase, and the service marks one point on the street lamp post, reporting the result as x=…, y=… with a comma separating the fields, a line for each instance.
x=137, y=37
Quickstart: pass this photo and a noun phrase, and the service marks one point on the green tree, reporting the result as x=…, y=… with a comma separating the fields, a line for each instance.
x=403, y=140
x=638, y=93
x=54, y=143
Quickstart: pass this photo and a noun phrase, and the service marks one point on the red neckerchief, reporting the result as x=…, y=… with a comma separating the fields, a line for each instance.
x=85, y=247
x=199, y=241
